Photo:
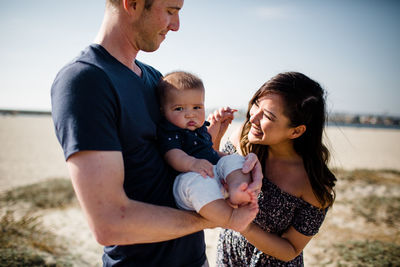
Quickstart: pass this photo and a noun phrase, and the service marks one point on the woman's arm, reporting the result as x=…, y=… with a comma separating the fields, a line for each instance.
x=285, y=247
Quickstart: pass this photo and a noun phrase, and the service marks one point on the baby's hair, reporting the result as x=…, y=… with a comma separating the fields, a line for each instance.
x=178, y=80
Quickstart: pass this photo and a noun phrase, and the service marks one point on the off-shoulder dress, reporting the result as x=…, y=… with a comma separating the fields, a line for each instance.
x=278, y=211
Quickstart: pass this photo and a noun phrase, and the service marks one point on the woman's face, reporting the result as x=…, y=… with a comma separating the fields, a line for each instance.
x=269, y=126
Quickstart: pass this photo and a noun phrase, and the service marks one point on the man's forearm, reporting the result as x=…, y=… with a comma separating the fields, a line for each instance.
x=139, y=222
x=98, y=177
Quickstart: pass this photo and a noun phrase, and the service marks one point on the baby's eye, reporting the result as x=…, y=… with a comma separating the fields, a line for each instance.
x=178, y=109
x=197, y=107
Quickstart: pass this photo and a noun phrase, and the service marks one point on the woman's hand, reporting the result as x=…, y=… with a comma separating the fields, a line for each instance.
x=252, y=165
x=219, y=122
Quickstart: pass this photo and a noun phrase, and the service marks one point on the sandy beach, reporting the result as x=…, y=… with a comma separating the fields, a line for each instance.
x=357, y=148
x=30, y=153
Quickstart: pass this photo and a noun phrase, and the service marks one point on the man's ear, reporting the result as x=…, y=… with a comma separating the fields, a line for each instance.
x=298, y=131
x=132, y=5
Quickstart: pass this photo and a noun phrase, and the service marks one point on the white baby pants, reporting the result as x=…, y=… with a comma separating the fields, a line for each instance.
x=192, y=191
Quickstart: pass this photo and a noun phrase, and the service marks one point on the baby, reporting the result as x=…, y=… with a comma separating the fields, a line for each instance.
x=187, y=147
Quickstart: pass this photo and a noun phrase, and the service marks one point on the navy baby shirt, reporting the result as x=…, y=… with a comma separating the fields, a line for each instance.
x=197, y=143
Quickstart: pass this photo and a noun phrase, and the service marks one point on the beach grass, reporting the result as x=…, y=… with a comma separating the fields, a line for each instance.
x=379, y=210
x=24, y=242
x=374, y=177
x=52, y=193
x=381, y=204
x=362, y=228
x=368, y=254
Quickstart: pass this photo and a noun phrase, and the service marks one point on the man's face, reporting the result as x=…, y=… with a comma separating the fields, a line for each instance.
x=156, y=22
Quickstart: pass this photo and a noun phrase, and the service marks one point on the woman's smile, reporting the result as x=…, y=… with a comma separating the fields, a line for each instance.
x=256, y=131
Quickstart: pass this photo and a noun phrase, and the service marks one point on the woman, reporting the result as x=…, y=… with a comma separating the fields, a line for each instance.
x=284, y=127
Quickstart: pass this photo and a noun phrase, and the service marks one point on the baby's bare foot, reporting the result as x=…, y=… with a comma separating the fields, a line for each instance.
x=241, y=217
x=240, y=195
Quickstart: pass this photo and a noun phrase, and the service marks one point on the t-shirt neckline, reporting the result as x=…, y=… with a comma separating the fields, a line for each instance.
x=103, y=50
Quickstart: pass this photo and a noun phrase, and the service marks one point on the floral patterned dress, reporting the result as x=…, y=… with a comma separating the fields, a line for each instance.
x=278, y=211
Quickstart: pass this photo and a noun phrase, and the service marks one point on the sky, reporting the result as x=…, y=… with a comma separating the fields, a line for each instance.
x=351, y=47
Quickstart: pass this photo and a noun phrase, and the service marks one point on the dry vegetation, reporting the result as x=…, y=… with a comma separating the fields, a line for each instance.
x=362, y=229
x=24, y=240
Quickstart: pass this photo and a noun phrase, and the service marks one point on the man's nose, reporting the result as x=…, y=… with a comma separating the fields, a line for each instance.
x=174, y=24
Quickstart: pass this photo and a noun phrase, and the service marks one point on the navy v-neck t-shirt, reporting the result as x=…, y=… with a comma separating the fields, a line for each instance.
x=100, y=104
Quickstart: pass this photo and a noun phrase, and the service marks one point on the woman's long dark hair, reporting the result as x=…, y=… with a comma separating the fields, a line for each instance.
x=304, y=101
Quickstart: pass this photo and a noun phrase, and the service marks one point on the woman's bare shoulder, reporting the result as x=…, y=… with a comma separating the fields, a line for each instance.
x=308, y=193
x=298, y=183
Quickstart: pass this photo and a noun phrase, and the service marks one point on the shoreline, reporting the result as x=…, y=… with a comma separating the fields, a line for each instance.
x=392, y=123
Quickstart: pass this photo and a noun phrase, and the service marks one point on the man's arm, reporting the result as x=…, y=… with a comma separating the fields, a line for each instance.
x=114, y=219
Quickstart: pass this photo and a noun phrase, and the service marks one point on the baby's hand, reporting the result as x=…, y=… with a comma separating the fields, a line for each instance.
x=202, y=166
x=219, y=122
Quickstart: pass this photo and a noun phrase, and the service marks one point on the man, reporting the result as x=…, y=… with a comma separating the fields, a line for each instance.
x=105, y=113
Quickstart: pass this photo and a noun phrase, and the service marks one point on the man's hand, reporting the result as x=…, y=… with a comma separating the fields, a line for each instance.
x=252, y=165
x=243, y=216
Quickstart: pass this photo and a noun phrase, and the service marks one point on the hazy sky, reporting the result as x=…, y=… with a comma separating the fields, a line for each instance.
x=352, y=47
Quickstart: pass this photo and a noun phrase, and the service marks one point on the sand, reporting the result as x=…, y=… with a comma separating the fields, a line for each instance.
x=358, y=148
x=30, y=153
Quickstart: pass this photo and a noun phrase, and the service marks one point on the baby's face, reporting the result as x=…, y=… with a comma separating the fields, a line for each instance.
x=185, y=109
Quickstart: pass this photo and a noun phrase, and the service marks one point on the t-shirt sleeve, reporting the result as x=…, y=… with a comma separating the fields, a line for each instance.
x=308, y=219
x=169, y=140
x=84, y=110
